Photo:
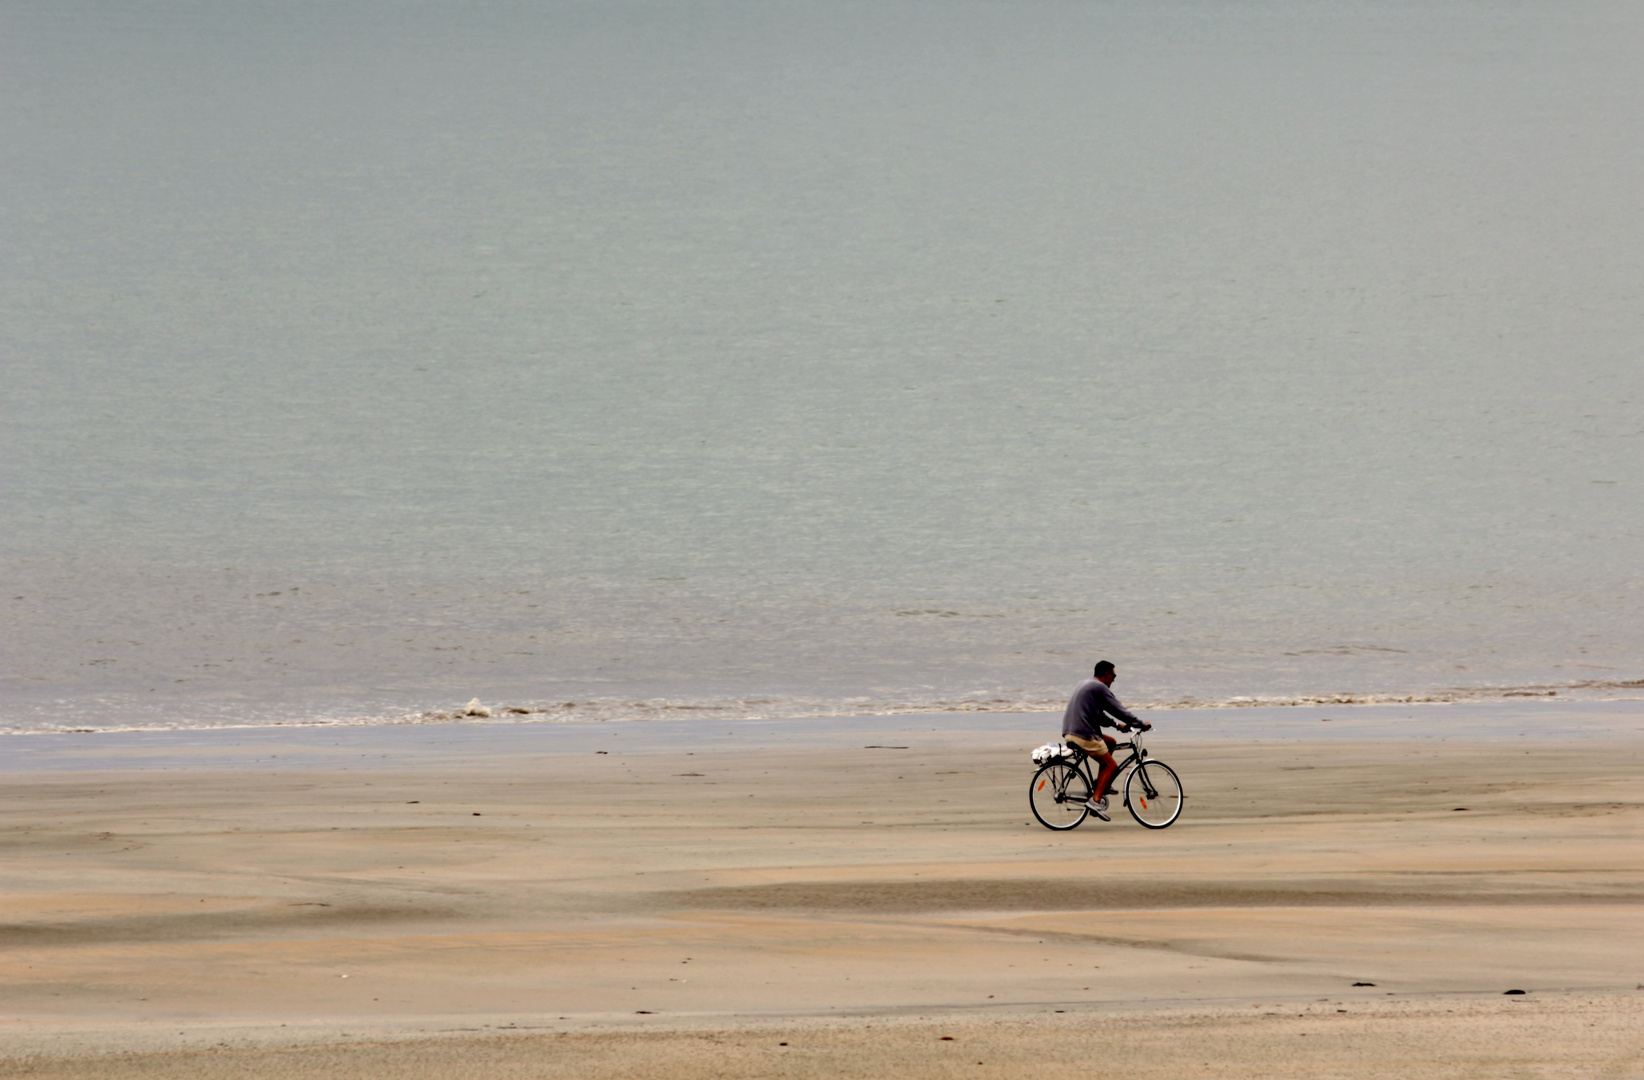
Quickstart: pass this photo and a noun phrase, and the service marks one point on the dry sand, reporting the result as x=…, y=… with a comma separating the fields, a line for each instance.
x=686, y=914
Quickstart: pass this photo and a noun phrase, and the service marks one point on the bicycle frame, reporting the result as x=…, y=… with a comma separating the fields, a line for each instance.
x=1137, y=754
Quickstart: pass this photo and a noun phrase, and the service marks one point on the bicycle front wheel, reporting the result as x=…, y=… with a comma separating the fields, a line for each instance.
x=1058, y=795
x=1153, y=794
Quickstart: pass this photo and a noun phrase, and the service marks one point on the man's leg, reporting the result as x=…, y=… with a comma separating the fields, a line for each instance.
x=1104, y=776
x=1103, y=782
x=1103, y=753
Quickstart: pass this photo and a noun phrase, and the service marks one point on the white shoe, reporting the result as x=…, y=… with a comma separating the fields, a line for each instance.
x=1098, y=807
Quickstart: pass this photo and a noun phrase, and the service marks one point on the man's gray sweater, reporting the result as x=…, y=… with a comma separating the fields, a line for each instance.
x=1092, y=708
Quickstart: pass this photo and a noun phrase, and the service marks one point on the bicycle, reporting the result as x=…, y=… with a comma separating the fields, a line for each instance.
x=1062, y=787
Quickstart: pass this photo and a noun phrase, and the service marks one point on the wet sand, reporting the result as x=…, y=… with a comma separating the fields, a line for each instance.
x=1322, y=908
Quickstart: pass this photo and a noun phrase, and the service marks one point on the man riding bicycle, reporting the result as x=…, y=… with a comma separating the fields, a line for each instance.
x=1093, y=707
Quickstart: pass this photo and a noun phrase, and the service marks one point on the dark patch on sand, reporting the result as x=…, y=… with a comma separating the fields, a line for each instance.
x=1026, y=894
x=205, y=926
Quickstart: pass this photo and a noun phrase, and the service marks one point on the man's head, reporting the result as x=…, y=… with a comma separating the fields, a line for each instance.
x=1105, y=672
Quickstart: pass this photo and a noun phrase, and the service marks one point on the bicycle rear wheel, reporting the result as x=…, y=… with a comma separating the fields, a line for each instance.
x=1153, y=794
x=1058, y=795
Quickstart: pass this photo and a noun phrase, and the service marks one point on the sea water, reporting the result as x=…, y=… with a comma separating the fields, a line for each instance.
x=361, y=359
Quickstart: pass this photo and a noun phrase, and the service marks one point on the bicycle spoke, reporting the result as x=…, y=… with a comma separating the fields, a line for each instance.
x=1153, y=794
x=1058, y=794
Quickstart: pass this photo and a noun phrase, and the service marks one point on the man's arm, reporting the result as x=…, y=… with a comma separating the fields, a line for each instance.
x=1110, y=705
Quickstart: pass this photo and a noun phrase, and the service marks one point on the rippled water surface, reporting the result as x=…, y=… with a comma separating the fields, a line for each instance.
x=362, y=358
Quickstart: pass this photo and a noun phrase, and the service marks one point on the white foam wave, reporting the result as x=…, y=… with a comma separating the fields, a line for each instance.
x=620, y=710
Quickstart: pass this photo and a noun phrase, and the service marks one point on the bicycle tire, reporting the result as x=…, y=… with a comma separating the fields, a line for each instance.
x=1153, y=794
x=1058, y=794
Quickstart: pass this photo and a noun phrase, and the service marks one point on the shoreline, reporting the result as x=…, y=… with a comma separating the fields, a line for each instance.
x=319, y=743
x=768, y=708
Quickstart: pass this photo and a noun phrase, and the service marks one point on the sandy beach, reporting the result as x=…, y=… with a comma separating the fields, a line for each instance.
x=833, y=904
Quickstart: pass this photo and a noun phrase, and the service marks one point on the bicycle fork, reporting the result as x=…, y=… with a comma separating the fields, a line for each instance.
x=1148, y=790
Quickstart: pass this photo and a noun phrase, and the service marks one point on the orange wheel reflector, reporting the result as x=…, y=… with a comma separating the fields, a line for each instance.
x=1041, y=785
x=1144, y=802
